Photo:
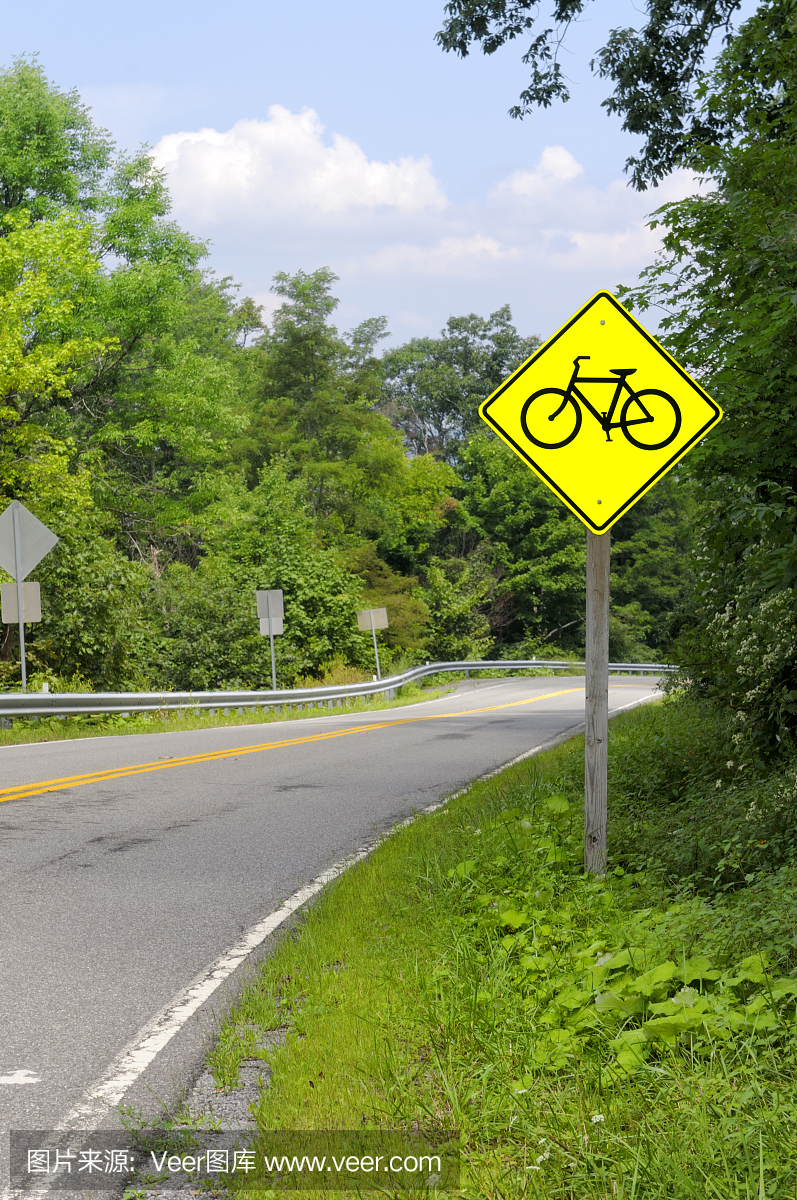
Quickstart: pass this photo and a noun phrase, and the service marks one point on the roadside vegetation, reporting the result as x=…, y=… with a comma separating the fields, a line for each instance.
x=626, y=1036
x=187, y=452
x=630, y=1036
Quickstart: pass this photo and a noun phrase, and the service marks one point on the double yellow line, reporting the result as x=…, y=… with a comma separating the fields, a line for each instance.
x=70, y=781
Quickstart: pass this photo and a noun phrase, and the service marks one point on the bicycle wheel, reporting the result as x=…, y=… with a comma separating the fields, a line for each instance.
x=656, y=419
x=550, y=413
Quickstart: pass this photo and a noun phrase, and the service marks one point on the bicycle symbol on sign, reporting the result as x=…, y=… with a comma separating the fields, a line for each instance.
x=654, y=411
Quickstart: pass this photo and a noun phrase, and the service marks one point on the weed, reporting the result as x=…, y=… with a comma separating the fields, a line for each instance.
x=630, y=1036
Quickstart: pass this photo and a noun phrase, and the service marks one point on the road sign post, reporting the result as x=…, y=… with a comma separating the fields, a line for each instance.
x=271, y=612
x=24, y=541
x=600, y=413
x=596, y=724
x=373, y=619
x=20, y=609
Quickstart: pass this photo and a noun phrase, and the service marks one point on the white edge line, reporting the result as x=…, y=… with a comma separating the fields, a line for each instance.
x=131, y=1063
x=152, y=1038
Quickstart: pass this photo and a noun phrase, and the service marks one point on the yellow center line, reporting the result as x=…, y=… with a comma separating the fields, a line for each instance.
x=69, y=781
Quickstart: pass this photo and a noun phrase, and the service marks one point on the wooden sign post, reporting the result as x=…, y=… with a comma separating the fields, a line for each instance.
x=596, y=716
x=600, y=413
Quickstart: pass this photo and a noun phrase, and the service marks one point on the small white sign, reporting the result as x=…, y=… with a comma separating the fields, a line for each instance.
x=31, y=603
x=372, y=618
x=269, y=603
x=276, y=626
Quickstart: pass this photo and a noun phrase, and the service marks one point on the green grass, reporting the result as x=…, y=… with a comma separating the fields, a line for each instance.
x=588, y=1038
x=27, y=730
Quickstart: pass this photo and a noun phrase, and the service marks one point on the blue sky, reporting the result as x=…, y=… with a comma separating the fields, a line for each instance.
x=313, y=134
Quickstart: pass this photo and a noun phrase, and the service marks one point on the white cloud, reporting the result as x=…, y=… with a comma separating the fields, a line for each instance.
x=556, y=166
x=450, y=256
x=284, y=166
x=280, y=194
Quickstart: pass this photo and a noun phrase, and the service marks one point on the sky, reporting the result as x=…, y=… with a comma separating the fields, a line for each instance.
x=323, y=133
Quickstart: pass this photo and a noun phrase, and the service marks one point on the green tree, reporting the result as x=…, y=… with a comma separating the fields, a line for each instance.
x=96, y=624
x=727, y=282
x=49, y=279
x=456, y=593
x=652, y=569
x=408, y=613
x=267, y=539
x=433, y=386
x=51, y=154
x=657, y=70
x=202, y=454
x=318, y=392
x=538, y=548
x=318, y=411
x=118, y=339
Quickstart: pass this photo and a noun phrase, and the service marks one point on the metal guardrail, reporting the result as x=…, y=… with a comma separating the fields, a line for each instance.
x=64, y=704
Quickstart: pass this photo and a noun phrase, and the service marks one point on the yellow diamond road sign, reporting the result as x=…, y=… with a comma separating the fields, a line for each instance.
x=601, y=412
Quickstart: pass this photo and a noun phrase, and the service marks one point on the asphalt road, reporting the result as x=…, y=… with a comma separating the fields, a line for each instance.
x=118, y=890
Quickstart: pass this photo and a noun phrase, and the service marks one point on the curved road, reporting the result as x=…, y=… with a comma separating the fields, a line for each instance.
x=130, y=864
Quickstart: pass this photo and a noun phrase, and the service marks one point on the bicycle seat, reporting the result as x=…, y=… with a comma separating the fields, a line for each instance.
x=622, y=370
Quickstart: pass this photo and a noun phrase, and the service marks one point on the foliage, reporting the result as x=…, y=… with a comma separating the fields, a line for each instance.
x=417, y=511
x=433, y=386
x=317, y=409
x=538, y=552
x=657, y=70
x=210, y=632
x=48, y=277
x=455, y=592
x=204, y=452
x=726, y=280
x=593, y=973
x=652, y=571
x=692, y=802
x=469, y=976
x=94, y=617
x=51, y=155
x=385, y=588
x=539, y=549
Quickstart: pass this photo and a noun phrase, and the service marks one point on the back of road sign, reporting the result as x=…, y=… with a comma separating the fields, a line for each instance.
x=31, y=603
x=365, y=616
x=269, y=603
x=601, y=412
x=273, y=629
x=35, y=538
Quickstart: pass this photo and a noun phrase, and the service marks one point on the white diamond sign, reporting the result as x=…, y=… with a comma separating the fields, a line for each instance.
x=35, y=540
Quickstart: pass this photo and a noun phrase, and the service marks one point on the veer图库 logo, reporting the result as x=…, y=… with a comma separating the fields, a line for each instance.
x=299, y=1160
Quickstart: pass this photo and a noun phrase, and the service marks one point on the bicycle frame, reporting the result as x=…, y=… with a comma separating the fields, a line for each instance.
x=604, y=419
